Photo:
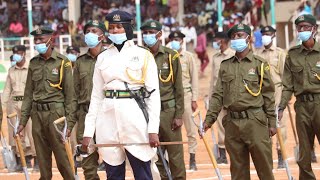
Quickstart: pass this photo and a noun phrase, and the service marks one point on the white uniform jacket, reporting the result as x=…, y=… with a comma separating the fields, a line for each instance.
x=121, y=120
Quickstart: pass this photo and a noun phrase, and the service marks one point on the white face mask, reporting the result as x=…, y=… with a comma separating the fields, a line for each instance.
x=266, y=40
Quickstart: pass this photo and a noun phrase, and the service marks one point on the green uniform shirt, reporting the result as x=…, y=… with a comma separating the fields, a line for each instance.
x=172, y=89
x=82, y=78
x=38, y=89
x=300, y=70
x=231, y=93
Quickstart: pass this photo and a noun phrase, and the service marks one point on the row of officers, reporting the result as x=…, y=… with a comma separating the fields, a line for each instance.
x=95, y=92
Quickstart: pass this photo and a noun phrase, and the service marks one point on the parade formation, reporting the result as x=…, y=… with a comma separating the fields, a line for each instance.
x=121, y=104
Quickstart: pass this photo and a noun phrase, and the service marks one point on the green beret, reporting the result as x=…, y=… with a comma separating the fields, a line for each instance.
x=267, y=29
x=176, y=34
x=19, y=48
x=119, y=17
x=306, y=18
x=238, y=28
x=151, y=24
x=42, y=31
x=95, y=23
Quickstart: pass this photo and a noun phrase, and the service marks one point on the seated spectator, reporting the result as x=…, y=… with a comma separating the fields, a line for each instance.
x=211, y=5
x=12, y=7
x=168, y=20
x=174, y=7
x=3, y=17
x=3, y=4
x=114, y=7
x=15, y=28
x=152, y=10
x=129, y=7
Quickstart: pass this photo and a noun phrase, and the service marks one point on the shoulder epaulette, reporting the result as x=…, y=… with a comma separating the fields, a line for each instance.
x=259, y=58
x=35, y=57
x=295, y=47
x=143, y=47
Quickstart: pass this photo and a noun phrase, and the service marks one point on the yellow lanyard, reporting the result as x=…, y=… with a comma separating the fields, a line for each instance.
x=170, y=76
x=261, y=81
x=316, y=75
x=61, y=76
x=144, y=70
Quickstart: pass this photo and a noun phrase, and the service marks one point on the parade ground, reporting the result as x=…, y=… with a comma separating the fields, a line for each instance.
x=205, y=169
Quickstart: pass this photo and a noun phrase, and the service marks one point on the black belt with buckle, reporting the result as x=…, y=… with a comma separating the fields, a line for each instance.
x=17, y=98
x=47, y=106
x=308, y=97
x=239, y=115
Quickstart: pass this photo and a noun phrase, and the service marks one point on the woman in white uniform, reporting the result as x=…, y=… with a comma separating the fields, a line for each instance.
x=114, y=115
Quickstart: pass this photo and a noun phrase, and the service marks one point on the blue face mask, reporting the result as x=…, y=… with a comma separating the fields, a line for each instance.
x=17, y=58
x=239, y=45
x=91, y=39
x=118, y=38
x=72, y=57
x=150, y=39
x=175, y=45
x=42, y=48
x=13, y=63
x=305, y=35
x=216, y=45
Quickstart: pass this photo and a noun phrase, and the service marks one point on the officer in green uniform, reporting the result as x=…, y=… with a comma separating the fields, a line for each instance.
x=245, y=89
x=49, y=95
x=172, y=98
x=82, y=76
x=302, y=77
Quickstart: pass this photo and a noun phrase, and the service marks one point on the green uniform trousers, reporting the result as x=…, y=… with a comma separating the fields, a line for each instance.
x=245, y=136
x=175, y=152
x=48, y=140
x=89, y=164
x=308, y=125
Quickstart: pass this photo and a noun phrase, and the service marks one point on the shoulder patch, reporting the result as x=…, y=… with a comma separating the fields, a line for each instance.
x=266, y=67
x=67, y=64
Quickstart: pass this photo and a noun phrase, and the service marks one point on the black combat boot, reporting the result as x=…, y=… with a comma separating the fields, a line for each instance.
x=35, y=164
x=192, y=165
x=313, y=156
x=19, y=166
x=223, y=156
x=28, y=161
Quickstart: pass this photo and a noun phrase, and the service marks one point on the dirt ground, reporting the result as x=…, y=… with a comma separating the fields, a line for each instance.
x=205, y=169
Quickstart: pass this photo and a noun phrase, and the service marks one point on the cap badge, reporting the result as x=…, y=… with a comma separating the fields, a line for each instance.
x=175, y=34
x=95, y=22
x=38, y=31
x=116, y=17
x=267, y=29
x=153, y=24
x=318, y=64
x=301, y=18
x=240, y=26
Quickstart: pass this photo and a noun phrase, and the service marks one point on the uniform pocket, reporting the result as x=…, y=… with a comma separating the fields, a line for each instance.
x=226, y=82
x=164, y=74
x=252, y=82
x=259, y=116
x=297, y=72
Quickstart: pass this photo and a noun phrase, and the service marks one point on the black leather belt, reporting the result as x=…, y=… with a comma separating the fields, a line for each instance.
x=308, y=97
x=239, y=115
x=17, y=98
x=47, y=106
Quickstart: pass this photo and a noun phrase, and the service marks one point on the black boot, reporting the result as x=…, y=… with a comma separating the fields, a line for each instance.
x=313, y=156
x=35, y=164
x=223, y=157
x=28, y=161
x=192, y=164
x=19, y=166
x=280, y=160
